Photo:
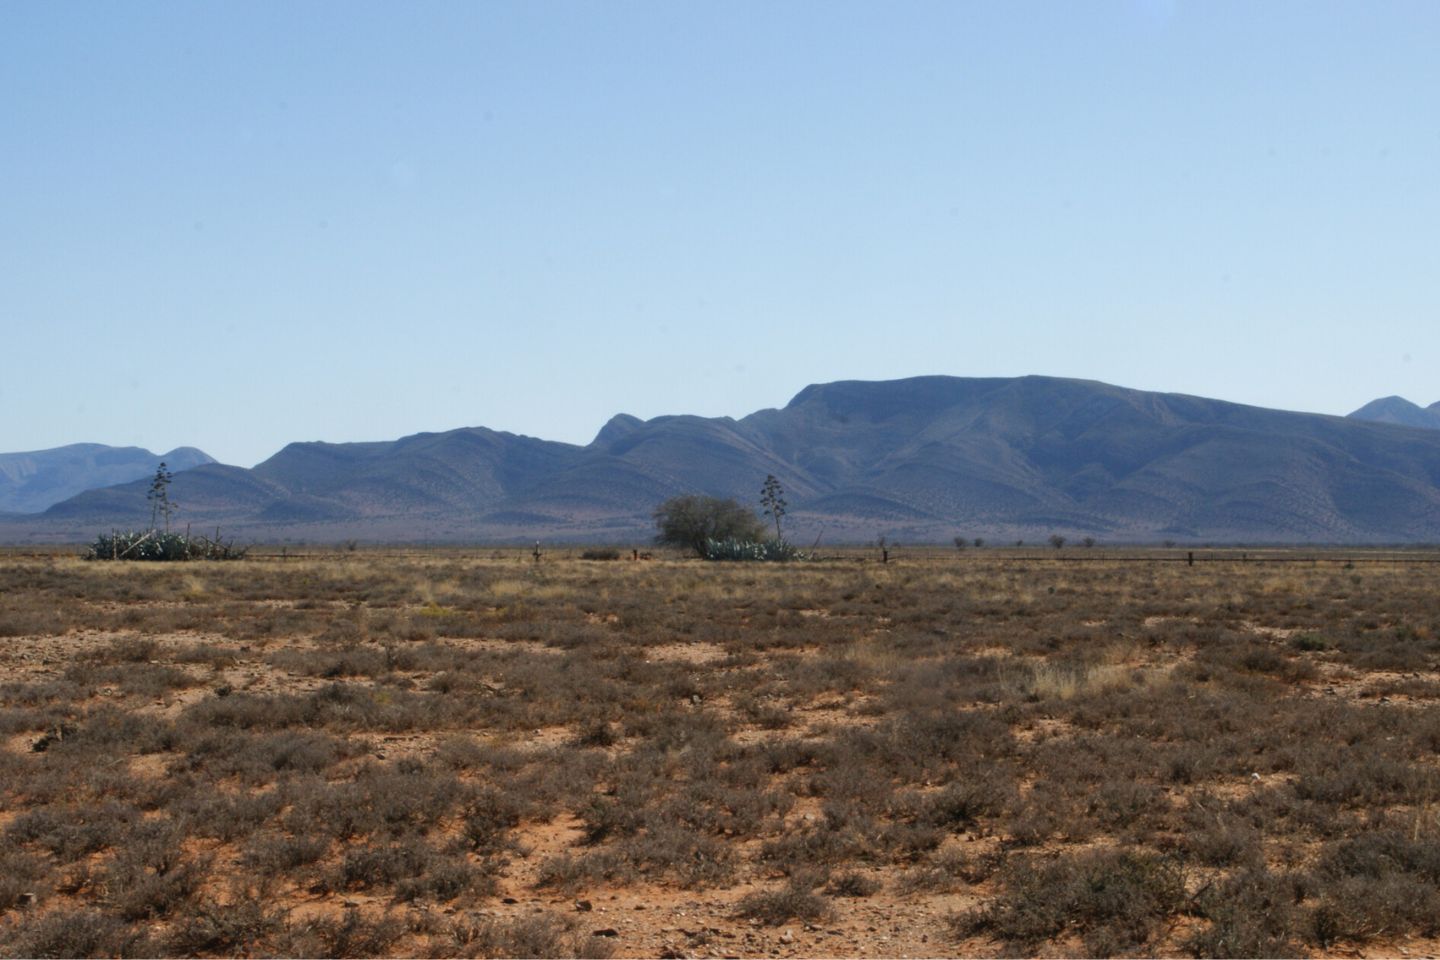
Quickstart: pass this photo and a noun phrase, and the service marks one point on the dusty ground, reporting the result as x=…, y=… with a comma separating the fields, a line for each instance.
x=640, y=921
x=932, y=730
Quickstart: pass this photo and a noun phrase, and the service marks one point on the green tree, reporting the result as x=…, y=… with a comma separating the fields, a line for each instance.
x=690, y=520
x=772, y=498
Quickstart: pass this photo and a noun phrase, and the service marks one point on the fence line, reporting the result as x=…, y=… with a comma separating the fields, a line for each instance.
x=928, y=556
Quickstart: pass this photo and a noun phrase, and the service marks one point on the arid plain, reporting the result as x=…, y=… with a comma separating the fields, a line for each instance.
x=462, y=753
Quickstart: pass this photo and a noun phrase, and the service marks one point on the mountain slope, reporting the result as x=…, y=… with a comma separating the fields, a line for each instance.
x=922, y=458
x=31, y=482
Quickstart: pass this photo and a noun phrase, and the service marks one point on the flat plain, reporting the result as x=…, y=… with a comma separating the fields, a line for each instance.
x=467, y=753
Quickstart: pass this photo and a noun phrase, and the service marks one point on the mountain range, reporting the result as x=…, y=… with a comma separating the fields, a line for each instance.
x=31, y=482
x=926, y=458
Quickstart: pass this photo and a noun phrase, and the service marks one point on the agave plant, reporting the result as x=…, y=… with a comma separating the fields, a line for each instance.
x=778, y=551
x=156, y=545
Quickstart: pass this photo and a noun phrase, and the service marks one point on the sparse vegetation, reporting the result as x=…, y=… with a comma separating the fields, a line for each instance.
x=429, y=754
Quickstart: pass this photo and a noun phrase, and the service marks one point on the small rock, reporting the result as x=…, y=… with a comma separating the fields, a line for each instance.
x=787, y=937
x=605, y=932
x=26, y=900
x=350, y=905
x=584, y=906
x=509, y=901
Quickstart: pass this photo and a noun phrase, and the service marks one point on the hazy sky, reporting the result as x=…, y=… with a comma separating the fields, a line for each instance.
x=234, y=225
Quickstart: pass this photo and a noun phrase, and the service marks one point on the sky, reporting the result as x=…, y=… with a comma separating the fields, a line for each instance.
x=237, y=225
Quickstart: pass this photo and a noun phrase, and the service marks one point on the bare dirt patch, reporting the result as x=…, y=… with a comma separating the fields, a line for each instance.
x=692, y=653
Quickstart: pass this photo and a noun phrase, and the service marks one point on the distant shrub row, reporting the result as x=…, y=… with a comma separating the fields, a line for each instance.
x=153, y=545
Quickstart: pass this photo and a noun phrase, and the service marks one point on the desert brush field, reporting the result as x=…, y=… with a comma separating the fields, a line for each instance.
x=469, y=753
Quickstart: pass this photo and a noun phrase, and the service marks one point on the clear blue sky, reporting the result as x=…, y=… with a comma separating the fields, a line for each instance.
x=234, y=225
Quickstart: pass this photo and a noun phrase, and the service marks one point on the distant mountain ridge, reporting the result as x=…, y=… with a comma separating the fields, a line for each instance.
x=925, y=458
x=1398, y=410
x=33, y=481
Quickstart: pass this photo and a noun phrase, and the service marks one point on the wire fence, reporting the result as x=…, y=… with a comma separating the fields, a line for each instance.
x=907, y=556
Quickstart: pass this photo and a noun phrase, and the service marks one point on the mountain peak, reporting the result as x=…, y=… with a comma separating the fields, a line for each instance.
x=617, y=428
x=33, y=481
x=1399, y=411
